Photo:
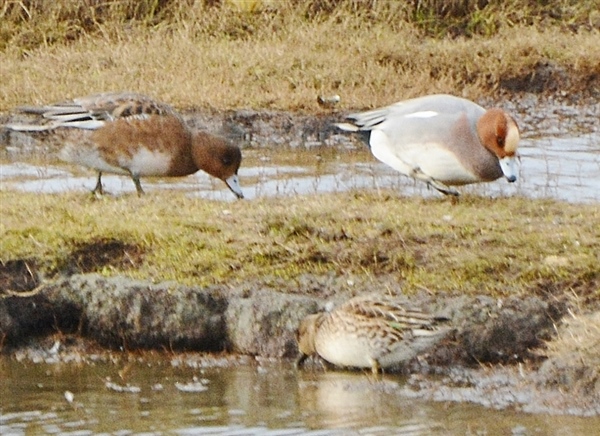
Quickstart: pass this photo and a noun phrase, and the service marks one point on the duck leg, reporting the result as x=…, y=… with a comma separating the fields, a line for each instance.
x=300, y=360
x=138, y=185
x=418, y=174
x=375, y=367
x=98, y=189
x=443, y=188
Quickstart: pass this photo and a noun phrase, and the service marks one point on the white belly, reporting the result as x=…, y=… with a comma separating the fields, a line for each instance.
x=148, y=163
x=421, y=160
x=142, y=163
x=346, y=350
x=441, y=164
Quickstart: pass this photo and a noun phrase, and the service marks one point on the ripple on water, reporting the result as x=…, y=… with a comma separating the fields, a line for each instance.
x=242, y=401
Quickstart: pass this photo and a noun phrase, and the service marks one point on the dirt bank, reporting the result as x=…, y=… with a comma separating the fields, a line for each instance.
x=122, y=313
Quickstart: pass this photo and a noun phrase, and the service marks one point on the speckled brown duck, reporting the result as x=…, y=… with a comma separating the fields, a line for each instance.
x=376, y=332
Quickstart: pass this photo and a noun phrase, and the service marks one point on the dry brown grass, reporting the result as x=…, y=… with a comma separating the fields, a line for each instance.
x=574, y=355
x=283, y=54
x=578, y=340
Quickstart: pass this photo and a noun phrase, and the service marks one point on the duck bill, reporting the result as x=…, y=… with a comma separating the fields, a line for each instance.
x=509, y=167
x=234, y=184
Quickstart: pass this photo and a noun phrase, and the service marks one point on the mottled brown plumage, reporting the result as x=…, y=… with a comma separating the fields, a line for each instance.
x=370, y=332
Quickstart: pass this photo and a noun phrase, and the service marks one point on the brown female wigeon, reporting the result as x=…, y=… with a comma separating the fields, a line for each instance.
x=132, y=134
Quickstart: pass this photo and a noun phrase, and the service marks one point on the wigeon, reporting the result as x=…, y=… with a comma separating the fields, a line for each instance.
x=132, y=134
x=442, y=140
x=370, y=331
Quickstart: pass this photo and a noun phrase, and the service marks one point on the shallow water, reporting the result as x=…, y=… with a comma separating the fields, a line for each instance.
x=564, y=168
x=252, y=399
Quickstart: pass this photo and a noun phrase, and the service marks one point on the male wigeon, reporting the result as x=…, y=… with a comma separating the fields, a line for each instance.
x=442, y=140
x=370, y=331
x=132, y=134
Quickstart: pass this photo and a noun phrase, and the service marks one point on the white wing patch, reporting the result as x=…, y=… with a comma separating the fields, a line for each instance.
x=422, y=114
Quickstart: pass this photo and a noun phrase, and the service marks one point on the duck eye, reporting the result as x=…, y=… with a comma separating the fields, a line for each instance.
x=500, y=140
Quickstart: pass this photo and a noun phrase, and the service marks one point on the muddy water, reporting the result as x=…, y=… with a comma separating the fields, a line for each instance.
x=564, y=168
x=261, y=399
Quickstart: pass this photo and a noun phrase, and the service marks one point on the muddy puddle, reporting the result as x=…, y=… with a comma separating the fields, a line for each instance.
x=255, y=398
x=563, y=168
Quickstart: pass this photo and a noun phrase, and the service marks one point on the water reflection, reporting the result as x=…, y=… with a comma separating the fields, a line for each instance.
x=561, y=168
x=268, y=399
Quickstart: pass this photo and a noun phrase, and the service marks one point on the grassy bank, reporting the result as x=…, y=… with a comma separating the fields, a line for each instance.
x=500, y=246
x=283, y=54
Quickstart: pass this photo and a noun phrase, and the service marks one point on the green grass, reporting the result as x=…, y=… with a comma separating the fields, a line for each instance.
x=282, y=54
x=501, y=246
